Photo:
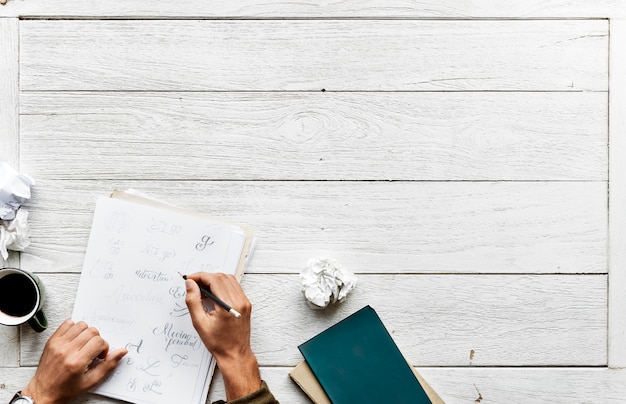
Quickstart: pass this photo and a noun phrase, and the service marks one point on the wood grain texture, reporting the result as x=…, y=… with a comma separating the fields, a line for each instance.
x=319, y=9
x=9, y=347
x=507, y=320
x=528, y=385
x=9, y=98
x=455, y=385
x=315, y=136
x=475, y=211
x=336, y=55
x=391, y=227
x=9, y=150
x=617, y=196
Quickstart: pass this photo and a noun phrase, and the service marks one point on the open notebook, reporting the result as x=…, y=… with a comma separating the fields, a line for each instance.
x=131, y=291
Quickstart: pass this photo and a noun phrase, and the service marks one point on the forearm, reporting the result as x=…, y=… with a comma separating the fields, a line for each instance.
x=228, y=338
x=241, y=375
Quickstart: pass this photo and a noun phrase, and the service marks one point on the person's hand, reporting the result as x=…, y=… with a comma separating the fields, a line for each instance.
x=74, y=360
x=223, y=334
x=226, y=337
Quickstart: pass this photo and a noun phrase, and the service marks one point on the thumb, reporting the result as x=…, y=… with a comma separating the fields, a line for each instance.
x=116, y=356
x=99, y=372
x=112, y=359
x=194, y=300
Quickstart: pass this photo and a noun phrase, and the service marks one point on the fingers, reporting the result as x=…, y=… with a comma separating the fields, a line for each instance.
x=81, y=340
x=103, y=368
x=194, y=300
x=63, y=328
x=94, y=347
x=75, y=330
x=224, y=286
x=84, y=340
x=233, y=294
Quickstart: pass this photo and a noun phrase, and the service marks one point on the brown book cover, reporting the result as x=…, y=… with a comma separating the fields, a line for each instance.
x=303, y=376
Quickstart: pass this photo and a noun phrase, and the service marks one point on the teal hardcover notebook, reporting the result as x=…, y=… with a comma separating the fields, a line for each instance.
x=357, y=361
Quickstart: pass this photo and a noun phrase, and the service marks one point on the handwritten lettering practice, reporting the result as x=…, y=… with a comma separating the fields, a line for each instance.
x=130, y=290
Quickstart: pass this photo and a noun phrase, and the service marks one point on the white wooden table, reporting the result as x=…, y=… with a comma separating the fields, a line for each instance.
x=458, y=156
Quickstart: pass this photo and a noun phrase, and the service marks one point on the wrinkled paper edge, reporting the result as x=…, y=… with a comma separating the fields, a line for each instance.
x=14, y=192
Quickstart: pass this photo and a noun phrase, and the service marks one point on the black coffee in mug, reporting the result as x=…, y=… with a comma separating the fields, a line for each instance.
x=19, y=295
x=22, y=295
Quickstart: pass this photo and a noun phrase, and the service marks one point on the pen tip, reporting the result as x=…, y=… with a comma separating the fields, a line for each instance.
x=183, y=276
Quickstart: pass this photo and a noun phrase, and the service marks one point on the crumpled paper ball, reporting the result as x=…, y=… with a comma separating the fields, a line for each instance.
x=325, y=281
x=14, y=234
x=14, y=190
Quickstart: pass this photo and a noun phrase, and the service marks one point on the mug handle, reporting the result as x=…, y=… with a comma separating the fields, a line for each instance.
x=38, y=322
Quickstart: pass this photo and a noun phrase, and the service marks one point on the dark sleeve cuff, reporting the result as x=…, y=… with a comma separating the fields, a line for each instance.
x=261, y=396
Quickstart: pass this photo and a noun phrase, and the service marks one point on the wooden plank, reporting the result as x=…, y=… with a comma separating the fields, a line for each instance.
x=320, y=9
x=9, y=348
x=527, y=385
x=506, y=320
x=9, y=149
x=9, y=128
x=617, y=196
x=455, y=385
x=335, y=55
x=405, y=227
x=315, y=136
x=9, y=98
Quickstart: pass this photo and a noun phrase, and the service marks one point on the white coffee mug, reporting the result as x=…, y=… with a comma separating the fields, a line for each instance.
x=22, y=295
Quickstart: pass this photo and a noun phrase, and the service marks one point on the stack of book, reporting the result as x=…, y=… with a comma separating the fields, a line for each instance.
x=357, y=361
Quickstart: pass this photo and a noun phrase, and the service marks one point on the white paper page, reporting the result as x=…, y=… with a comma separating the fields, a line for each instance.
x=130, y=290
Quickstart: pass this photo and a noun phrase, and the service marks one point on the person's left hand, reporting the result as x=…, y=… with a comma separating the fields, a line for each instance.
x=74, y=360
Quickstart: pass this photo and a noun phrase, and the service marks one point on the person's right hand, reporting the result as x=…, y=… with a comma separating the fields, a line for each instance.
x=225, y=336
